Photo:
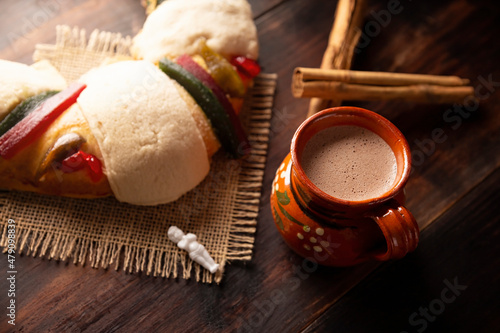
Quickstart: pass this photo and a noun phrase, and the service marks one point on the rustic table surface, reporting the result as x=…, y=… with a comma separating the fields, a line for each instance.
x=451, y=283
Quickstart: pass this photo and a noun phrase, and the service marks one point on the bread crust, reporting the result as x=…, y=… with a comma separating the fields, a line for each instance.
x=22, y=172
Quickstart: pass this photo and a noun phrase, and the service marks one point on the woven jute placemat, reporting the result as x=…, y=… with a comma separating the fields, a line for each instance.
x=221, y=211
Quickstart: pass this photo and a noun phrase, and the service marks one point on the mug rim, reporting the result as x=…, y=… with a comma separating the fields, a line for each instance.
x=396, y=188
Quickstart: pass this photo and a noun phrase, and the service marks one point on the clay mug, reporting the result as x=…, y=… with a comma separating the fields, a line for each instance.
x=338, y=232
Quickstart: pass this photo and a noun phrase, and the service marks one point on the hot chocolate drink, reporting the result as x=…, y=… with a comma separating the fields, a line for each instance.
x=349, y=163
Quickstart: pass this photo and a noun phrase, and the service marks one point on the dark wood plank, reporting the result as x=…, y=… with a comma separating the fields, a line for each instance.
x=278, y=291
x=442, y=41
x=260, y=7
x=460, y=249
x=471, y=150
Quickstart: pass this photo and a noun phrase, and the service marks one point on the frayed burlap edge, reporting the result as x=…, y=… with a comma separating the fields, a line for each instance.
x=169, y=261
x=92, y=51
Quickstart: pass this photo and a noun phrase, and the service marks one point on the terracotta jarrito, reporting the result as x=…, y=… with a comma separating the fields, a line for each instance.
x=337, y=232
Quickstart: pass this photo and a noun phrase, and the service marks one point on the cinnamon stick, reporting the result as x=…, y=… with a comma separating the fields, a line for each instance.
x=342, y=41
x=421, y=93
x=302, y=74
x=359, y=85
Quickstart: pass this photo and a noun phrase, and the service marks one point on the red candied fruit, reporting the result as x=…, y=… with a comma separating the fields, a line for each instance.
x=81, y=160
x=246, y=66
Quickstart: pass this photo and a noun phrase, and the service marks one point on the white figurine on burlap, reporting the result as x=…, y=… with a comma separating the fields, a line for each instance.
x=196, y=251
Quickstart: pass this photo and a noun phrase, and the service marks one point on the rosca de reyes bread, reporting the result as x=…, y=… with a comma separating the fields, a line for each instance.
x=19, y=81
x=174, y=26
x=143, y=131
x=152, y=148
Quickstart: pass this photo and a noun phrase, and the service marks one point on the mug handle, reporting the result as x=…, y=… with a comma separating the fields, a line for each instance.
x=399, y=228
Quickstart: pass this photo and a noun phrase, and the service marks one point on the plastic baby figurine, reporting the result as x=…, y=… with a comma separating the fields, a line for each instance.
x=196, y=251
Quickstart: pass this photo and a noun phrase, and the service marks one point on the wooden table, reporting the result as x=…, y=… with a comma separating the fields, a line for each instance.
x=451, y=283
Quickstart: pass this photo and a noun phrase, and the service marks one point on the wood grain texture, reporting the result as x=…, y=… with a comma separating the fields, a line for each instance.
x=452, y=191
x=461, y=248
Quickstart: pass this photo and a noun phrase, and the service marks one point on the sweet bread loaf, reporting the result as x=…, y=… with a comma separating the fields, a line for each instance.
x=142, y=130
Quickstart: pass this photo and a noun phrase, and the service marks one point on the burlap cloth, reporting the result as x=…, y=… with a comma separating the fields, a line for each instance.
x=104, y=233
